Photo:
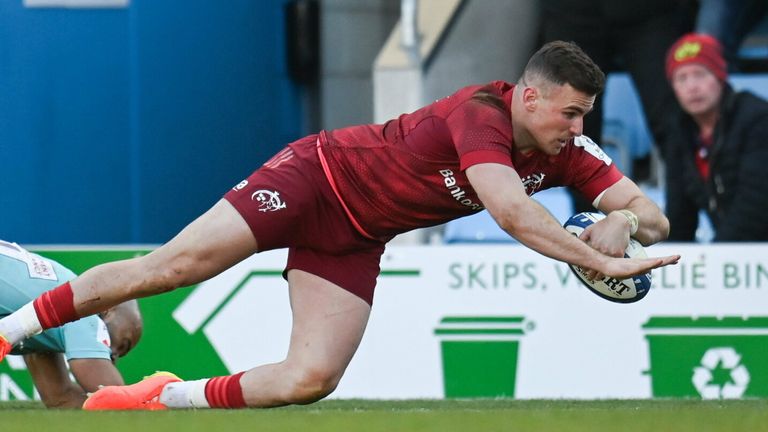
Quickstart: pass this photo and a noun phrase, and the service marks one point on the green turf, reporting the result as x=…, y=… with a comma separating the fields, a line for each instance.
x=418, y=415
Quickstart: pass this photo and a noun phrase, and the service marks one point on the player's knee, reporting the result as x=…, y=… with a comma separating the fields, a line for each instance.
x=312, y=384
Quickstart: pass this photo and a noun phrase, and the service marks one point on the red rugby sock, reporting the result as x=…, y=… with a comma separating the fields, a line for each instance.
x=56, y=307
x=225, y=392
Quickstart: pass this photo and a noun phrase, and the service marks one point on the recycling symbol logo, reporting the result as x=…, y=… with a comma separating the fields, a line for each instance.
x=721, y=374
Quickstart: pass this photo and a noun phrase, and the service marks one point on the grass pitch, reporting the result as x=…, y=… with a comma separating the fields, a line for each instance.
x=412, y=415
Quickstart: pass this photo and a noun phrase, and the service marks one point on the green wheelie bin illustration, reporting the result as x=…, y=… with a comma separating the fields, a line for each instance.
x=708, y=357
x=479, y=355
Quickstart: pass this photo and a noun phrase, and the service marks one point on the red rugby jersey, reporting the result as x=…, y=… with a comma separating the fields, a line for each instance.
x=409, y=172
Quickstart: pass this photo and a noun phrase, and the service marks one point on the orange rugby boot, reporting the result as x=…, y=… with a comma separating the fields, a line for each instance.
x=5, y=347
x=144, y=395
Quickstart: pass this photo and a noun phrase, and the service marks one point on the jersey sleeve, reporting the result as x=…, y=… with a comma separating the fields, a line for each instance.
x=87, y=338
x=481, y=133
x=590, y=170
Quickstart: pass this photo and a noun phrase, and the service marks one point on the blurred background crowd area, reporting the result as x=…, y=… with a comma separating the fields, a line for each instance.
x=122, y=120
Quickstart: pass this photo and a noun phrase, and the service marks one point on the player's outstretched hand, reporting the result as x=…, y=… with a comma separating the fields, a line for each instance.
x=622, y=268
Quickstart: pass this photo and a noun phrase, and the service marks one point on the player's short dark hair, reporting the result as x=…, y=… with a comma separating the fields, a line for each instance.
x=562, y=63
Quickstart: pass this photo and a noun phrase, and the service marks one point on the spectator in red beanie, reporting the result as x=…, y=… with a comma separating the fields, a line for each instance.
x=697, y=48
x=716, y=158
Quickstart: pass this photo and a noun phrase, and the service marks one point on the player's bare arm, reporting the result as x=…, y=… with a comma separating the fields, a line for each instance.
x=622, y=202
x=52, y=380
x=653, y=226
x=502, y=193
x=93, y=373
x=51, y=377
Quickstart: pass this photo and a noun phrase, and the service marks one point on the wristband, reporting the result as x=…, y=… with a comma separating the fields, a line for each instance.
x=634, y=223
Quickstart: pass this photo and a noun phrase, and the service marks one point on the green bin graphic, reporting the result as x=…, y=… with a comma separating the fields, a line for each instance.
x=480, y=355
x=708, y=357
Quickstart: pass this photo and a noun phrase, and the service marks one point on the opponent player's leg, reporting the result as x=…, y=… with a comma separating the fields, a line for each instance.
x=212, y=243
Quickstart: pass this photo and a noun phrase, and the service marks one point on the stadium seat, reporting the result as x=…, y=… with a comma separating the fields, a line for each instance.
x=705, y=233
x=756, y=83
x=655, y=194
x=557, y=201
x=615, y=143
x=477, y=228
x=481, y=228
x=752, y=55
x=623, y=118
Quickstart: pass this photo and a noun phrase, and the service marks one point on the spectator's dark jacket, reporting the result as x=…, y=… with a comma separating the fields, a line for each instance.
x=736, y=194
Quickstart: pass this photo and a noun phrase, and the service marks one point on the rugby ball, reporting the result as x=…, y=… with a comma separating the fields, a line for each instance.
x=620, y=291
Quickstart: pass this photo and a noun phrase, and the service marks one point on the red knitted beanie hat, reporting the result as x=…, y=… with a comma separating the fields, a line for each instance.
x=697, y=48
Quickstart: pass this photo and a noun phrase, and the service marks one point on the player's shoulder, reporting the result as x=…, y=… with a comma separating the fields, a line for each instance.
x=585, y=148
x=496, y=88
